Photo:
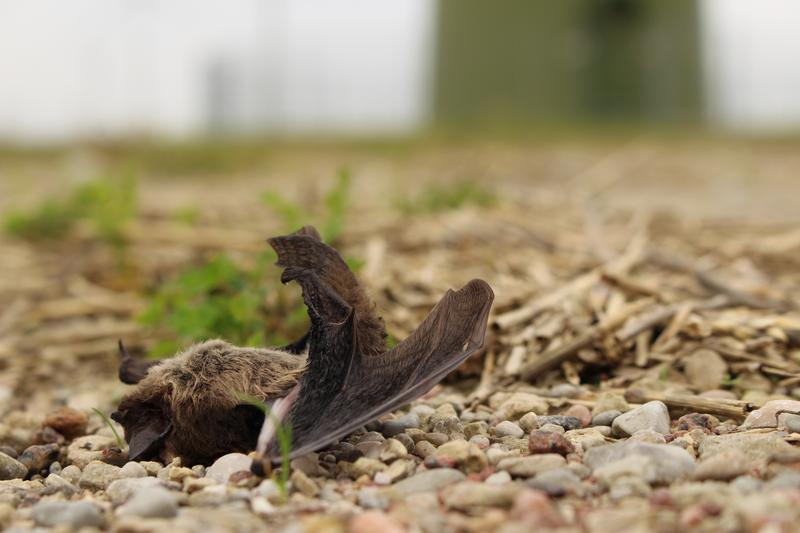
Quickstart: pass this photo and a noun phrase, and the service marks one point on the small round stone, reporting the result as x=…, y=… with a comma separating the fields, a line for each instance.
x=549, y=442
x=508, y=429
x=606, y=418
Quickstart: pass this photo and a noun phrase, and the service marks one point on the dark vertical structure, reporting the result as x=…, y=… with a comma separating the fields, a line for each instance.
x=523, y=61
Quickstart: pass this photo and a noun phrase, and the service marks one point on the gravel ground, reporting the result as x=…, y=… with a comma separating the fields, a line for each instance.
x=642, y=371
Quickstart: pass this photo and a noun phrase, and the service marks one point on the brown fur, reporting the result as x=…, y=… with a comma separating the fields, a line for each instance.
x=196, y=391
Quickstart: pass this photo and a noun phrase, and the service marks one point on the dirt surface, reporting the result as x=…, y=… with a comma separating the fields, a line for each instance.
x=656, y=279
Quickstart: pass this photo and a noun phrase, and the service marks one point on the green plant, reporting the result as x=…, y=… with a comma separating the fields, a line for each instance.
x=101, y=414
x=224, y=299
x=436, y=198
x=106, y=204
x=283, y=432
x=330, y=217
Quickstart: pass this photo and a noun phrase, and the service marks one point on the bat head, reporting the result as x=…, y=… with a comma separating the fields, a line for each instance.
x=191, y=405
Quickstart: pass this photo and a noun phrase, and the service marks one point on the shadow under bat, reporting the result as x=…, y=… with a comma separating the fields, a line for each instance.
x=333, y=380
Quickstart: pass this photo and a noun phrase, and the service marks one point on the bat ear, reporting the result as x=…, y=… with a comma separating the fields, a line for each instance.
x=131, y=369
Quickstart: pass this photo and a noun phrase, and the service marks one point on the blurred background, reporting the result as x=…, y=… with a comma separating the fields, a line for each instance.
x=94, y=69
x=147, y=148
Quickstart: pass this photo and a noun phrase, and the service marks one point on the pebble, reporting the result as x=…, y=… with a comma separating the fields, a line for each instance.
x=607, y=401
x=372, y=498
x=566, y=422
x=585, y=439
x=154, y=502
x=424, y=449
x=363, y=467
x=69, y=422
x=55, y=467
x=71, y=514
x=10, y=468
x=552, y=428
x=9, y=451
x=38, y=457
x=652, y=415
x=398, y=425
x=228, y=464
x=98, y=475
x=59, y=483
x=767, y=416
x=498, y=478
x=373, y=521
x=371, y=436
x=179, y=473
x=370, y=449
x=84, y=450
x=758, y=448
x=437, y=439
x=480, y=441
x=648, y=435
x=407, y=441
x=427, y=481
x=498, y=452
x=701, y=421
x=787, y=479
x=468, y=495
x=508, y=429
x=606, y=418
x=476, y=428
x=531, y=465
x=705, y=369
x=540, y=442
x=668, y=462
x=556, y=482
x=517, y=404
x=723, y=466
x=152, y=467
x=132, y=469
x=468, y=457
x=535, y=510
x=528, y=421
x=581, y=412
x=792, y=422
x=747, y=484
x=392, y=449
x=397, y=470
x=71, y=473
x=304, y=484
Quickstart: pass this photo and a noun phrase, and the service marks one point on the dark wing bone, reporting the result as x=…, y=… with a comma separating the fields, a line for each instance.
x=346, y=385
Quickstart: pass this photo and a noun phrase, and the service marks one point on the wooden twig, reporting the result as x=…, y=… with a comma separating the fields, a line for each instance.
x=661, y=314
x=555, y=357
x=629, y=258
x=735, y=409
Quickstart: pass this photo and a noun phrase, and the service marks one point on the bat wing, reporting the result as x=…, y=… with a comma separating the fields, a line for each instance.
x=348, y=381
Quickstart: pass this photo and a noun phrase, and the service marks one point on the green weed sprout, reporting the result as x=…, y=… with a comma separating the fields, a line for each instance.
x=101, y=414
x=284, y=434
x=330, y=217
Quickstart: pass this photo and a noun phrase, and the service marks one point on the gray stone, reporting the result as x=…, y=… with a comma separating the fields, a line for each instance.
x=498, y=478
x=585, y=439
x=98, y=475
x=154, y=502
x=608, y=401
x=768, y=415
x=228, y=464
x=427, y=481
x=652, y=415
x=121, y=490
x=57, y=482
x=400, y=424
x=508, y=429
x=566, y=422
x=531, y=465
x=788, y=479
x=132, y=469
x=669, y=462
x=71, y=473
x=71, y=514
x=557, y=482
x=528, y=421
x=470, y=495
x=519, y=403
x=723, y=466
x=760, y=448
x=747, y=484
x=606, y=418
x=10, y=468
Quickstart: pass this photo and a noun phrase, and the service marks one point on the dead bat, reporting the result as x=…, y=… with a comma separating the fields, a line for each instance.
x=336, y=378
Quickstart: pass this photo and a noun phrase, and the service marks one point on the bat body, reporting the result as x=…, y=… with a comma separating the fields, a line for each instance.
x=330, y=382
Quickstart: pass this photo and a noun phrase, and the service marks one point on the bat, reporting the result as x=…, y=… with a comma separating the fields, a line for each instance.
x=330, y=382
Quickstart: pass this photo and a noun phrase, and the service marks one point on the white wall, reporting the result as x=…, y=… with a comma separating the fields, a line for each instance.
x=97, y=67
x=752, y=63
